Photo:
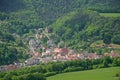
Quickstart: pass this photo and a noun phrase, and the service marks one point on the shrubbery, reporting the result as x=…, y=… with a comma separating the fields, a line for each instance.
x=50, y=74
x=54, y=68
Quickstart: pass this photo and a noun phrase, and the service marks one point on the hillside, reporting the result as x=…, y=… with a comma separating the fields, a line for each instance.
x=76, y=22
x=26, y=14
x=82, y=27
x=48, y=8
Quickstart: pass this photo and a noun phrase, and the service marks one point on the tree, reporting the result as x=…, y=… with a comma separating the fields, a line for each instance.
x=116, y=62
x=116, y=39
x=30, y=76
x=8, y=76
x=107, y=38
x=106, y=61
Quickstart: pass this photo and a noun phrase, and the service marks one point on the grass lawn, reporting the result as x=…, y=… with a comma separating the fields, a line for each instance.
x=110, y=14
x=96, y=74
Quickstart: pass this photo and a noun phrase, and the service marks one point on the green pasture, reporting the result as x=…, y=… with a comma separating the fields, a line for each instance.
x=96, y=74
x=110, y=14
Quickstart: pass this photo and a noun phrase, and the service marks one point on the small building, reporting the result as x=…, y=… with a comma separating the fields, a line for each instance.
x=32, y=61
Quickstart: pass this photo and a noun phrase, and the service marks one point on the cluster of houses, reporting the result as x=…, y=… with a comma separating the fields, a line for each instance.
x=52, y=54
x=58, y=54
x=65, y=54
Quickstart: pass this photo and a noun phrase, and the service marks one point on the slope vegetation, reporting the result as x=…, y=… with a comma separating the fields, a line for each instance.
x=82, y=27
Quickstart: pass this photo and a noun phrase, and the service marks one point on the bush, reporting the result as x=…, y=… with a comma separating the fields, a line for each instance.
x=50, y=74
x=71, y=69
x=34, y=76
x=117, y=75
x=100, y=66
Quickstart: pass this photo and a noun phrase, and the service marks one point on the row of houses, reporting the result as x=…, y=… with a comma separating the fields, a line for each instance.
x=65, y=54
x=58, y=54
x=14, y=66
x=8, y=67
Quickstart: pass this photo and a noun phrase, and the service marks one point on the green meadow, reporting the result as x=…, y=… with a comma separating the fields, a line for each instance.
x=110, y=14
x=96, y=74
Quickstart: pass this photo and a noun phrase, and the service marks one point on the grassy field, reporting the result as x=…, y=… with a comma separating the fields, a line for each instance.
x=100, y=44
x=96, y=74
x=110, y=14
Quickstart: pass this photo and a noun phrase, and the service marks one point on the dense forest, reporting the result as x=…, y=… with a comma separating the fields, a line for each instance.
x=26, y=14
x=11, y=49
x=77, y=22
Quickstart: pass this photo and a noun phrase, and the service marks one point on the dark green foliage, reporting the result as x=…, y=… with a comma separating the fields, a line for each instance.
x=107, y=38
x=50, y=69
x=26, y=14
x=118, y=74
x=33, y=76
x=11, y=5
x=116, y=62
x=3, y=16
x=116, y=39
x=10, y=49
x=106, y=61
x=105, y=5
x=52, y=9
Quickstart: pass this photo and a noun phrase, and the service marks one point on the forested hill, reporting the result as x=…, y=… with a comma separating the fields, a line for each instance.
x=26, y=14
x=79, y=20
x=50, y=10
x=79, y=29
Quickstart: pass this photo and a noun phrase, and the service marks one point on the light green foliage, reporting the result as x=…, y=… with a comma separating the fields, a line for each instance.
x=91, y=30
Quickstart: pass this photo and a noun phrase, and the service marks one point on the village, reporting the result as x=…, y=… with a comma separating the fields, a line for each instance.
x=52, y=53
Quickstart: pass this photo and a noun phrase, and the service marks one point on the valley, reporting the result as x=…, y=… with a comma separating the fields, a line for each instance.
x=44, y=38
